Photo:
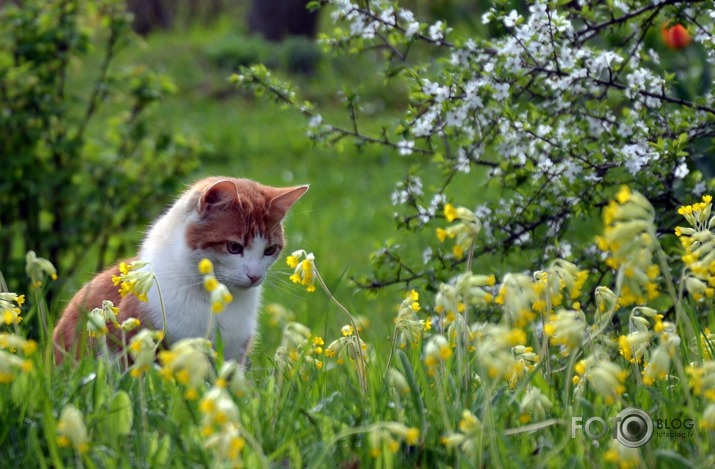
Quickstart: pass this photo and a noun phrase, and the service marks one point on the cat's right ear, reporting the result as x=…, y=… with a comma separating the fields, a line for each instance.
x=218, y=196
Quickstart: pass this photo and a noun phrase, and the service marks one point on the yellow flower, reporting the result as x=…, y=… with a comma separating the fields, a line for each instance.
x=347, y=330
x=205, y=266
x=305, y=272
x=134, y=279
x=292, y=261
x=450, y=213
x=71, y=429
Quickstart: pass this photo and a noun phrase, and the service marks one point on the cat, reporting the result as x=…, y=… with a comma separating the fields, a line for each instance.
x=236, y=224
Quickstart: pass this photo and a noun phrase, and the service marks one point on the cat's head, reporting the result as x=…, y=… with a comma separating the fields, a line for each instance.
x=236, y=223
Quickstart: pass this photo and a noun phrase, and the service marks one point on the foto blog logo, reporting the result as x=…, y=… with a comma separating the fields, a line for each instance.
x=631, y=427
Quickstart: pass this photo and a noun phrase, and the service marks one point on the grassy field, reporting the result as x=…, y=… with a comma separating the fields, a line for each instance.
x=421, y=386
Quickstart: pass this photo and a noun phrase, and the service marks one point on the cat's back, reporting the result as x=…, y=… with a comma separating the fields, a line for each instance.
x=90, y=296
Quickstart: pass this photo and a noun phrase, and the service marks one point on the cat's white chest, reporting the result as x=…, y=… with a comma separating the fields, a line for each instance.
x=188, y=314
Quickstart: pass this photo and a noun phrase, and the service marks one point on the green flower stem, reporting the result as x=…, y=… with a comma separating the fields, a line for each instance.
x=361, y=365
x=681, y=317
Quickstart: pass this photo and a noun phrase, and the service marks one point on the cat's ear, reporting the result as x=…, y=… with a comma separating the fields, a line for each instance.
x=285, y=198
x=218, y=196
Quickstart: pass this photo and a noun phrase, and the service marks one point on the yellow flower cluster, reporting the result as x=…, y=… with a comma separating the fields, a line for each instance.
x=220, y=425
x=277, y=315
x=220, y=295
x=567, y=329
x=601, y=374
x=134, y=278
x=436, y=351
x=533, y=405
x=465, y=232
x=142, y=349
x=502, y=351
x=385, y=437
x=623, y=456
x=629, y=239
x=634, y=346
x=37, y=267
x=10, y=308
x=98, y=318
x=699, y=244
x=10, y=362
x=467, y=289
x=408, y=326
x=550, y=285
x=189, y=363
x=468, y=436
x=232, y=377
x=516, y=296
x=305, y=272
x=702, y=381
x=71, y=430
x=348, y=346
x=657, y=364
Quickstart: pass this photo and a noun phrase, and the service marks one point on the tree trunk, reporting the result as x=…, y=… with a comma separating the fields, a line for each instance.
x=276, y=19
x=149, y=14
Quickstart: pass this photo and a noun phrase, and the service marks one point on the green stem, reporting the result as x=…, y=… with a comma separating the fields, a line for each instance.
x=680, y=315
x=360, y=355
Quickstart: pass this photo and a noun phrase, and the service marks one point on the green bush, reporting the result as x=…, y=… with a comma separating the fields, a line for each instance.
x=79, y=164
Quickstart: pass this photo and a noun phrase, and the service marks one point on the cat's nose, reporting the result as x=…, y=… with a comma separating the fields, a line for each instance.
x=254, y=279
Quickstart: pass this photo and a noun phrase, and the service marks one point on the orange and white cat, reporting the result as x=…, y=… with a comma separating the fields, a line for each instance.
x=235, y=223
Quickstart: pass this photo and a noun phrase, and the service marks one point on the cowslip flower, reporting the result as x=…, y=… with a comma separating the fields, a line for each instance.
x=71, y=430
x=188, y=362
x=387, y=436
x=10, y=308
x=232, y=377
x=602, y=375
x=277, y=315
x=517, y=295
x=623, y=456
x=408, y=327
x=220, y=295
x=397, y=380
x=98, y=318
x=134, y=278
x=305, y=272
x=566, y=328
x=142, y=349
x=707, y=421
x=470, y=431
x=702, y=379
x=294, y=344
x=533, y=405
x=218, y=410
x=495, y=346
x=14, y=343
x=465, y=231
x=228, y=445
x=699, y=244
x=37, y=267
x=467, y=289
x=563, y=280
x=11, y=365
x=629, y=237
x=436, y=351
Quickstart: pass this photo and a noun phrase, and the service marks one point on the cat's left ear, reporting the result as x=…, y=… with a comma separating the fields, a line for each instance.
x=281, y=203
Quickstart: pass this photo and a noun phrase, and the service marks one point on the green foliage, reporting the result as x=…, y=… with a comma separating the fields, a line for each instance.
x=295, y=55
x=64, y=184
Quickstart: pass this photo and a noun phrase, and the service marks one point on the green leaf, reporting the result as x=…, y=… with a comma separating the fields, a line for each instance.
x=670, y=459
x=121, y=414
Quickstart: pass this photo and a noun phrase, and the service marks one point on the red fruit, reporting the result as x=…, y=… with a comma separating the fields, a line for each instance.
x=676, y=37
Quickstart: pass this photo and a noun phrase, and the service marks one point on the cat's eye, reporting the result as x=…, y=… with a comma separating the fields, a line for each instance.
x=270, y=250
x=234, y=248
